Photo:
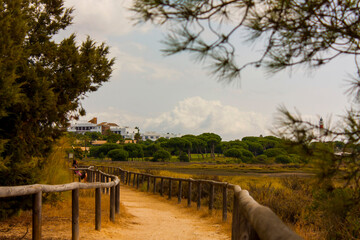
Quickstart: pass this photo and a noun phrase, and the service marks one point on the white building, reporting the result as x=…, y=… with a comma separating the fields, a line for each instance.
x=155, y=136
x=125, y=132
x=83, y=127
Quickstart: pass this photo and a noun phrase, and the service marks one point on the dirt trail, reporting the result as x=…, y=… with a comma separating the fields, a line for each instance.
x=143, y=216
x=155, y=220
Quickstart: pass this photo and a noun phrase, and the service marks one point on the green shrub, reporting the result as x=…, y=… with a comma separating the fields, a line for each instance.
x=261, y=159
x=184, y=157
x=118, y=155
x=233, y=152
x=247, y=156
x=161, y=155
x=283, y=159
x=274, y=152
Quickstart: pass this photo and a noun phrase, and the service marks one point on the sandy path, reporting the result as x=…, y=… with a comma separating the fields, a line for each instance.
x=153, y=219
x=144, y=216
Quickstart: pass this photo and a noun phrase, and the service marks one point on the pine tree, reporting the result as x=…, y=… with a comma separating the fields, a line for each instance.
x=42, y=83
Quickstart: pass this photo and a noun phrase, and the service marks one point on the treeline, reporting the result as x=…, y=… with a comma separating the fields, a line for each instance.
x=265, y=150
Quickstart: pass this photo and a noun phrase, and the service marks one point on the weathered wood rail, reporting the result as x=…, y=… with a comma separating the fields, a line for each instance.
x=250, y=220
x=96, y=180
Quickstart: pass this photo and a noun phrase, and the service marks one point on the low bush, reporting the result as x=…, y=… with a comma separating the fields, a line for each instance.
x=118, y=155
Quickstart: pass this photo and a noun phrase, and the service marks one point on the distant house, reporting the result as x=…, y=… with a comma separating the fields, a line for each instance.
x=128, y=133
x=155, y=136
x=83, y=127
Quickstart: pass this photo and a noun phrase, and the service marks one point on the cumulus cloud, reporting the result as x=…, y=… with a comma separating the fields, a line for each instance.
x=196, y=115
x=193, y=115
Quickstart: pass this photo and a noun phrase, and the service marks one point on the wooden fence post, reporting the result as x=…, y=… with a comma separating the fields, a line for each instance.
x=117, y=198
x=128, y=178
x=148, y=183
x=170, y=189
x=154, y=189
x=75, y=214
x=180, y=191
x=112, y=204
x=211, y=200
x=107, y=180
x=137, y=181
x=134, y=179
x=36, y=216
x=189, y=193
x=98, y=209
x=199, y=196
x=224, y=214
x=161, y=186
x=103, y=180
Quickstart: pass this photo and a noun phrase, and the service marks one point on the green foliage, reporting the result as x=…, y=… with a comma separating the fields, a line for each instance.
x=255, y=147
x=103, y=150
x=234, y=153
x=283, y=159
x=247, y=156
x=184, y=157
x=113, y=138
x=118, y=155
x=78, y=153
x=161, y=155
x=42, y=82
x=274, y=152
x=134, y=150
x=262, y=159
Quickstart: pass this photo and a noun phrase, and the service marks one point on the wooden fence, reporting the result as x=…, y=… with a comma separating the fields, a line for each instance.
x=250, y=220
x=97, y=180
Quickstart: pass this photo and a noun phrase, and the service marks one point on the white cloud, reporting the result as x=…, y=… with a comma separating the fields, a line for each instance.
x=196, y=115
x=193, y=115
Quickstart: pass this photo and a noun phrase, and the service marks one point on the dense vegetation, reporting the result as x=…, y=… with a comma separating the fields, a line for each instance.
x=42, y=83
x=204, y=147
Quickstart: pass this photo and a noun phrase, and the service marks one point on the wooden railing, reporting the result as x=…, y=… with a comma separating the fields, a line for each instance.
x=250, y=220
x=96, y=180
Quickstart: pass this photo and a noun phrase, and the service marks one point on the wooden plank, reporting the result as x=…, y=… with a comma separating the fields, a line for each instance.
x=112, y=204
x=224, y=208
x=148, y=184
x=180, y=192
x=199, y=196
x=161, y=186
x=98, y=209
x=170, y=189
x=189, y=193
x=107, y=180
x=211, y=196
x=117, y=199
x=36, y=216
x=154, y=188
x=75, y=214
x=137, y=181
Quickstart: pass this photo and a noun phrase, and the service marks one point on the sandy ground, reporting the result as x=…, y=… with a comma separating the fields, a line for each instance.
x=154, y=219
x=143, y=216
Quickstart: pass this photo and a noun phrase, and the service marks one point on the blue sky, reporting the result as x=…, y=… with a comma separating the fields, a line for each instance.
x=174, y=94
